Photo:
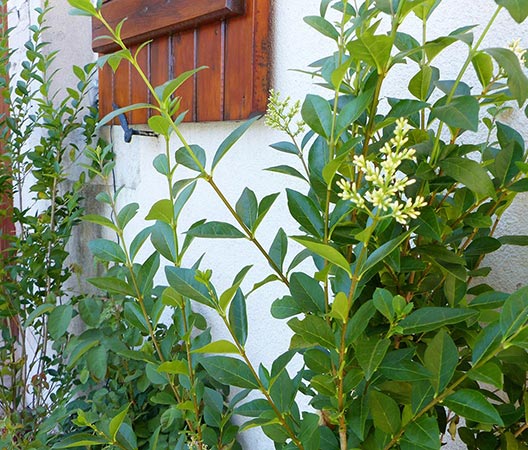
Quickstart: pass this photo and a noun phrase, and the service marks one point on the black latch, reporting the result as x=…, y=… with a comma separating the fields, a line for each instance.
x=129, y=132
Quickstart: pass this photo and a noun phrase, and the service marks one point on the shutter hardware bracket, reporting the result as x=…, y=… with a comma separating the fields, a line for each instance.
x=129, y=132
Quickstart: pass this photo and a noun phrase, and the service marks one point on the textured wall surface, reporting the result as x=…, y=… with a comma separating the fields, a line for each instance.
x=295, y=46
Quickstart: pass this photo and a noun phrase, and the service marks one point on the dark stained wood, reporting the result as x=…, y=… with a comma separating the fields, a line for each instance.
x=210, y=105
x=106, y=90
x=154, y=18
x=236, y=50
x=184, y=59
x=122, y=89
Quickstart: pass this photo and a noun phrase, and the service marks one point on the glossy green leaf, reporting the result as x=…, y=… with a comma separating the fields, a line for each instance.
x=113, y=285
x=216, y=230
x=305, y=212
x=488, y=340
x=514, y=240
x=340, y=307
x=359, y=321
x=370, y=353
x=472, y=405
x=264, y=206
x=317, y=114
x=422, y=434
x=162, y=238
x=220, y=346
x=314, y=330
x=228, y=295
x=184, y=282
x=383, y=251
x=461, y=112
x=59, y=321
x=175, y=367
x=117, y=112
x=325, y=251
x=134, y=315
x=168, y=88
x=307, y=292
x=90, y=310
x=80, y=440
x=285, y=147
x=323, y=26
x=471, y=174
x=97, y=362
x=231, y=140
x=373, y=50
x=514, y=313
x=193, y=158
x=353, y=110
x=285, y=307
x=238, y=317
x=247, y=207
x=106, y=250
x=422, y=84
x=518, y=9
x=162, y=210
x=279, y=248
x=431, y=318
x=287, y=170
x=117, y=421
x=517, y=80
x=441, y=359
x=483, y=65
x=230, y=371
x=383, y=302
x=385, y=412
x=489, y=373
x=160, y=125
x=100, y=220
x=310, y=435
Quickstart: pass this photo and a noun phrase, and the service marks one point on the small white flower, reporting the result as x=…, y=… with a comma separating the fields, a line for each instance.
x=516, y=48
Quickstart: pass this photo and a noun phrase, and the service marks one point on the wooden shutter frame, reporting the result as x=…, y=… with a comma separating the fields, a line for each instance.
x=149, y=19
x=237, y=51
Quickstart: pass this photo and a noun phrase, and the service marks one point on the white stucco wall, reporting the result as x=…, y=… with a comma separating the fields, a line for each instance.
x=295, y=46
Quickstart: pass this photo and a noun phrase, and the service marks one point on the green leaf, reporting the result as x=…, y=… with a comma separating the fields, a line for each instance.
x=398, y=366
x=228, y=295
x=326, y=251
x=285, y=147
x=230, y=371
x=305, y=212
x=373, y=50
x=221, y=346
x=238, y=317
x=279, y=249
x=514, y=240
x=106, y=250
x=370, y=353
x=247, y=208
x=161, y=163
x=461, y=112
x=482, y=246
x=483, y=65
x=310, y=435
x=428, y=224
x=182, y=199
x=286, y=170
x=340, y=307
x=353, y=110
x=134, y=315
x=100, y=220
x=489, y=373
x=138, y=241
x=117, y=421
x=117, y=112
x=359, y=321
x=193, y=158
x=97, y=362
x=423, y=83
x=162, y=210
x=113, y=285
x=264, y=206
x=162, y=238
x=90, y=311
x=231, y=140
x=471, y=174
x=421, y=434
x=168, y=88
x=517, y=80
x=441, y=359
x=487, y=341
x=518, y=9
x=314, y=330
x=385, y=412
x=184, y=282
x=317, y=114
x=160, y=125
x=80, y=439
x=175, y=367
x=37, y=312
x=323, y=26
x=216, y=230
x=473, y=405
x=514, y=313
x=285, y=307
x=307, y=293
x=59, y=321
x=431, y=318
x=383, y=251
x=383, y=302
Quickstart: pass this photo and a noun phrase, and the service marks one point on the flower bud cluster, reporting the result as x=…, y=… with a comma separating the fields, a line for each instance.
x=520, y=52
x=385, y=190
x=281, y=115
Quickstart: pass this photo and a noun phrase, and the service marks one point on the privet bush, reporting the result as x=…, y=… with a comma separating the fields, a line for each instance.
x=399, y=333
x=38, y=137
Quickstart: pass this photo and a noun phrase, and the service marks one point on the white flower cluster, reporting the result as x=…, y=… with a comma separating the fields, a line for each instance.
x=280, y=115
x=386, y=188
x=516, y=48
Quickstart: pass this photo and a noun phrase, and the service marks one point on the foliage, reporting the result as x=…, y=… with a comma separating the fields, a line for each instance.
x=38, y=141
x=399, y=334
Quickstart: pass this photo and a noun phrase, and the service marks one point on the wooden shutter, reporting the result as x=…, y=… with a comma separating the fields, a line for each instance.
x=231, y=37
